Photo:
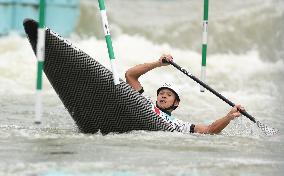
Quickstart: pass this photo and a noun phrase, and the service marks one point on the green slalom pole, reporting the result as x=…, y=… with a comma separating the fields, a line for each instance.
x=108, y=41
x=204, y=43
x=40, y=62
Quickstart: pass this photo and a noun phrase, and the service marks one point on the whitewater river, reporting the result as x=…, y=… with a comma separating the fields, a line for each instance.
x=245, y=64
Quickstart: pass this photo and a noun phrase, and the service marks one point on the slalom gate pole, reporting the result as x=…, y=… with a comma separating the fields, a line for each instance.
x=204, y=43
x=108, y=41
x=40, y=62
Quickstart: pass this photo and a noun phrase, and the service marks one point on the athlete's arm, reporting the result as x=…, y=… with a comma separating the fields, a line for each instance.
x=132, y=75
x=217, y=126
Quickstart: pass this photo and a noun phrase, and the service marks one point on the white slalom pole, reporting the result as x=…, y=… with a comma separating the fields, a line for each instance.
x=40, y=62
x=204, y=43
x=108, y=41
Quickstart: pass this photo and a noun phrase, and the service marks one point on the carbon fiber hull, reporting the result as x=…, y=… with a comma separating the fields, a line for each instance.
x=86, y=89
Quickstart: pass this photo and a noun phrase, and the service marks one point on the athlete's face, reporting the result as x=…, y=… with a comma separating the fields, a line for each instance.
x=166, y=98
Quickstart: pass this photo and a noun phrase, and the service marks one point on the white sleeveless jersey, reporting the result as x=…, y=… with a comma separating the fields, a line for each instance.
x=176, y=124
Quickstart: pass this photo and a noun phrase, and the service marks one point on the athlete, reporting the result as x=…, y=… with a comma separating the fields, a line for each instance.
x=168, y=100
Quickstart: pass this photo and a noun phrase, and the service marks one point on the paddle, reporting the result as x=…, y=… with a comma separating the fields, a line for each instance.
x=267, y=130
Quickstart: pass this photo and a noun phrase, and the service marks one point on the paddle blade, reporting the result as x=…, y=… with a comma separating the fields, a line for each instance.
x=267, y=130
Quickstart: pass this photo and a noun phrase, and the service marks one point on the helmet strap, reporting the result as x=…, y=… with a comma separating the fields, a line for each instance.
x=166, y=110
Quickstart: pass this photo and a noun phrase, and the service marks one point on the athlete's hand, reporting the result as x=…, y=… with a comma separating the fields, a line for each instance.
x=166, y=57
x=235, y=112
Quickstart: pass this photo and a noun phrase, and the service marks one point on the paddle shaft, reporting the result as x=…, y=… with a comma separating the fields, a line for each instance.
x=210, y=89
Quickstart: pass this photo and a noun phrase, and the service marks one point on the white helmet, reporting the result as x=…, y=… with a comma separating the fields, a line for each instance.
x=172, y=87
